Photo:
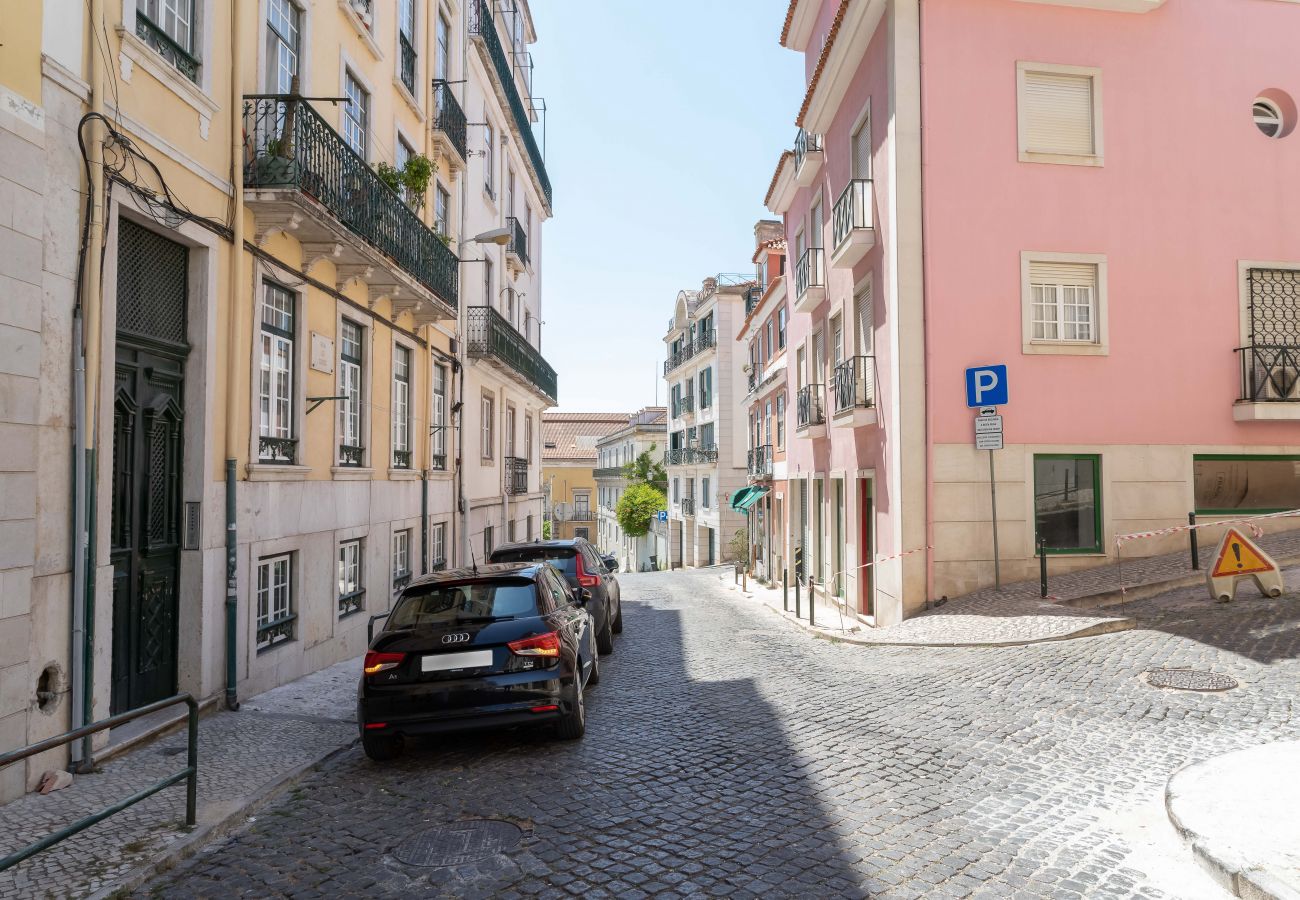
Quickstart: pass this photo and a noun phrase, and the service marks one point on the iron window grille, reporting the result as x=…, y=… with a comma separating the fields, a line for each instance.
x=854, y=384
x=805, y=142
x=808, y=271
x=168, y=27
x=275, y=616
x=516, y=475
x=407, y=61
x=852, y=210
x=810, y=406
x=449, y=117
x=1270, y=363
x=518, y=239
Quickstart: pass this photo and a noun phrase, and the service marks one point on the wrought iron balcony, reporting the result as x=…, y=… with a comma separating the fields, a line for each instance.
x=755, y=377
x=1270, y=373
x=609, y=472
x=753, y=295
x=518, y=246
x=516, y=475
x=299, y=170
x=438, y=462
x=449, y=124
x=854, y=385
x=705, y=340
x=683, y=406
x=810, y=406
x=807, y=157
x=277, y=451
x=181, y=59
x=483, y=27
x=809, y=280
x=490, y=336
x=688, y=506
x=407, y=62
x=691, y=456
x=676, y=359
x=760, y=462
x=401, y=459
x=852, y=224
x=352, y=602
x=350, y=455
x=401, y=581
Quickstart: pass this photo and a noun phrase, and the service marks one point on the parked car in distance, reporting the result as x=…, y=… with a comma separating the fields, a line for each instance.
x=496, y=645
x=583, y=568
x=611, y=563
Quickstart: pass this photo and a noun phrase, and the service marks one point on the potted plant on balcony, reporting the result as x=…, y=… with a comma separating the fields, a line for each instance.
x=411, y=181
x=276, y=163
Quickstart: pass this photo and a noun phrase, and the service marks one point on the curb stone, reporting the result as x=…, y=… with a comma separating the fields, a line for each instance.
x=227, y=821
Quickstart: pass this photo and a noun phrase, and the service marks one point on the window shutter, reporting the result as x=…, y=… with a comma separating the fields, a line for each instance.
x=863, y=314
x=1074, y=274
x=862, y=151
x=1058, y=114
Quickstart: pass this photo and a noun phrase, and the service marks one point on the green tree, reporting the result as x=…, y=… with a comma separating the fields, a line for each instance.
x=637, y=508
x=647, y=468
x=546, y=530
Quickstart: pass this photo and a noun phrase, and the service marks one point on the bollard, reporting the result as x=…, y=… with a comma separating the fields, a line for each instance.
x=812, y=600
x=1042, y=568
x=744, y=581
x=1191, y=539
x=796, y=595
x=785, y=591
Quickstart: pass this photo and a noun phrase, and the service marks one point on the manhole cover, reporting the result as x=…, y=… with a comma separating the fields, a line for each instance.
x=1190, y=680
x=460, y=842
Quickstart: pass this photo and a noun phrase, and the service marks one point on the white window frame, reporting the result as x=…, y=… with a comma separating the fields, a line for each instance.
x=402, y=394
x=442, y=50
x=487, y=427
x=347, y=120
x=271, y=340
x=351, y=574
x=438, y=544
x=1028, y=154
x=275, y=41
x=1100, y=346
x=401, y=554
x=271, y=607
x=441, y=383
x=489, y=158
x=352, y=409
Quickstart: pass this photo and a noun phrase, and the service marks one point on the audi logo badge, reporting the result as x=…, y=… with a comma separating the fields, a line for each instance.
x=461, y=638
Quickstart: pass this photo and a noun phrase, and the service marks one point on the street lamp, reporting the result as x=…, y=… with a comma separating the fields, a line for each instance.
x=498, y=236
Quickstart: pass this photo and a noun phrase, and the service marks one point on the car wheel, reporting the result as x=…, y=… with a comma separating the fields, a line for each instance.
x=605, y=639
x=594, y=678
x=382, y=747
x=573, y=724
x=618, y=617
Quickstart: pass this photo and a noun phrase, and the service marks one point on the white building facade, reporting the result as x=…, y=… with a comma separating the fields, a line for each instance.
x=645, y=433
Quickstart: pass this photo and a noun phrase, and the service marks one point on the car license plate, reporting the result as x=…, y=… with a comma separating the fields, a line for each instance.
x=442, y=662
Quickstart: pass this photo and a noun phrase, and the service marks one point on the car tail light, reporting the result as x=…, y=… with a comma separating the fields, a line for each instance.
x=542, y=645
x=382, y=662
x=585, y=580
x=375, y=726
x=550, y=708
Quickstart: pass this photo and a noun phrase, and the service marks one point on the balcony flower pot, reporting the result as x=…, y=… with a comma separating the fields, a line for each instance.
x=272, y=169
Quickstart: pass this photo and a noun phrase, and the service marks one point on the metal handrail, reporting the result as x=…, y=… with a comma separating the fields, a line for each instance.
x=518, y=239
x=407, y=56
x=852, y=210
x=808, y=271
x=190, y=773
x=809, y=406
x=805, y=142
x=490, y=335
x=854, y=385
x=167, y=47
x=450, y=118
x=1270, y=373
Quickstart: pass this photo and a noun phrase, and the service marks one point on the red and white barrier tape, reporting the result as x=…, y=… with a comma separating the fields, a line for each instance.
x=1248, y=522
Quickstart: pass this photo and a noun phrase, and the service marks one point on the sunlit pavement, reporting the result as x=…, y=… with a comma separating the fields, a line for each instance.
x=728, y=754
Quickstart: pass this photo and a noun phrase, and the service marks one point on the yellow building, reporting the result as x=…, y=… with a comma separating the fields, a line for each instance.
x=569, y=469
x=253, y=351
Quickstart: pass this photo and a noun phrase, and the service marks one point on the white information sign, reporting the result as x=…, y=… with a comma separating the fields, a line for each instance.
x=988, y=425
x=989, y=441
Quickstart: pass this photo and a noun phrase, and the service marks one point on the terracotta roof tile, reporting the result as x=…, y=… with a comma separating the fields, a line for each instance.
x=767, y=198
x=821, y=60
x=574, y=435
x=789, y=20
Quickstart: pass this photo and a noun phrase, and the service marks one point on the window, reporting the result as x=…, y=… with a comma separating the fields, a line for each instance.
x=401, y=157
x=283, y=36
x=510, y=431
x=275, y=390
x=704, y=492
x=1064, y=300
x=677, y=493
x=488, y=282
x=528, y=437
x=488, y=542
x=780, y=328
x=352, y=593
x=767, y=424
x=351, y=448
x=706, y=435
x=489, y=157
x=864, y=316
x=860, y=150
x=442, y=65
x=401, y=408
x=168, y=26
x=815, y=226
x=581, y=505
x=1227, y=484
x=406, y=57
x=438, y=433
x=441, y=211
x=356, y=114
x=486, y=436
x=1067, y=503
x=780, y=420
x=771, y=338
x=1060, y=114
x=401, y=558
x=528, y=528
x=510, y=191
x=706, y=388
x=1268, y=118
x=438, y=538
x=582, y=532
x=275, y=618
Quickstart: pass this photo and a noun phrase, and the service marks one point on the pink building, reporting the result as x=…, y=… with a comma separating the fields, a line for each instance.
x=1094, y=193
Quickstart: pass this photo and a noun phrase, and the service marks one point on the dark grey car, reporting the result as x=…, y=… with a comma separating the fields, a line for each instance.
x=583, y=568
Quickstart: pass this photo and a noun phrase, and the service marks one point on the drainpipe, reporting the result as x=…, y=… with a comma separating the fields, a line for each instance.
x=462, y=317
x=424, y=522
x=233, y=386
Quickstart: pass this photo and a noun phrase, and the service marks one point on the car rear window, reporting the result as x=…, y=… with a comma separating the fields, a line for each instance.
x=447, y=604
x=563, y=558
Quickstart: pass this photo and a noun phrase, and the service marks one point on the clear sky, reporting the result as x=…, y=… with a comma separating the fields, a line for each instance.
x=665, y=119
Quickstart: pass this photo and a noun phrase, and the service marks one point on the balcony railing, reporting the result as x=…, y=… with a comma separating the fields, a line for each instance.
x=449, y=118
x=351, y=455
x=854, y=386
x=609, y=472
x=490, y=335
x=407, y=53
x=277, y=451
x=808, y=271
x=401, y=459
x=705, y=340
x=805, y=142
x=1270, y=373
x=753, y=295
x=483, y=27
x=688, y=506
x=516, y=475
x=683, y=406
x=852, y=210
x=177, y=56
x=760, y=461
x=810, y=406
x=438, y=462
x=691, y=456
x=288, y=145
x=518, y=240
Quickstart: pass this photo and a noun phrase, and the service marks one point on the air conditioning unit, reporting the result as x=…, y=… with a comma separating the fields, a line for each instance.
x=1277, y=382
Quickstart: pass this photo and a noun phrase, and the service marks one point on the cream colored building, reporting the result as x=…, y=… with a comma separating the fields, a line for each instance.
x=645, y=432
x=301, y=340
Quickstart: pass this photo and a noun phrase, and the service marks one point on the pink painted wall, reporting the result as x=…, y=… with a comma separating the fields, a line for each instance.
x=1189, y=187
x=844, y=448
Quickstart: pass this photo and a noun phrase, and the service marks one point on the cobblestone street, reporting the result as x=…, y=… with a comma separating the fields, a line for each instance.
x=729, y=754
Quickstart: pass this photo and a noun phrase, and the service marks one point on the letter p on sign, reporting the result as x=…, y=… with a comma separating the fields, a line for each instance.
x=986, y=386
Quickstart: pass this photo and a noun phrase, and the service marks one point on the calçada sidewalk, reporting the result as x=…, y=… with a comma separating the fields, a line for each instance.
x=245, y=758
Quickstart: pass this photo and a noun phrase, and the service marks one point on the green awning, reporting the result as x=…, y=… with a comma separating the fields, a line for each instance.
x=747, y=497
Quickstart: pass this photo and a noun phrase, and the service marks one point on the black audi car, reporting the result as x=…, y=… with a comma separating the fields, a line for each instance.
x=583, y=568
x=496, y=645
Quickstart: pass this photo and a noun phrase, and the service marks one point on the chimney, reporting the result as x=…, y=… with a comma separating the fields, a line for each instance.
x=767, y=230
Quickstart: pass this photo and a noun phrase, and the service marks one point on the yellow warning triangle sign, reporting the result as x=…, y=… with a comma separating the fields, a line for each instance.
x=1238, y=556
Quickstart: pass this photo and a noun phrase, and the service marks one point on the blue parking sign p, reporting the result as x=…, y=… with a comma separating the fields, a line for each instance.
x=986, y=386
